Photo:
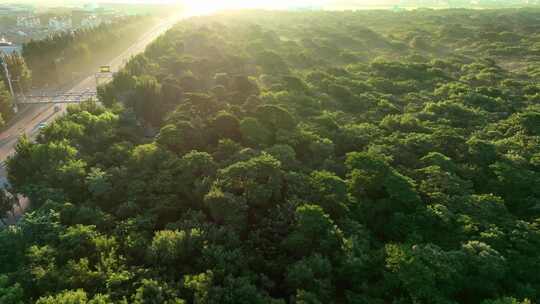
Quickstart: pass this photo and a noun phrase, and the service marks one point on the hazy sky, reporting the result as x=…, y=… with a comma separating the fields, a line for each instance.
x=221, y=3
x=209, y=6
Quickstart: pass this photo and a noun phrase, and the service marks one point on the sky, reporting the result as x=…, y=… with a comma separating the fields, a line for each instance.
x=199, y=7
x=261, y=3
x=202, y=5
x=224, y=4
x=208, y=6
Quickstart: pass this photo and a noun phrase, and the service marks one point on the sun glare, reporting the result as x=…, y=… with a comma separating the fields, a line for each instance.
x=210, y=6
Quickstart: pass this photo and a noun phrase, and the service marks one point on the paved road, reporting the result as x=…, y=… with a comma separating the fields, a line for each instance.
x=27, y=120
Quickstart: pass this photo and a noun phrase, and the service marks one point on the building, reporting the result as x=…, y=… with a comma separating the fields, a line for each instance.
x=8, y=48
x=28, y=21
x=77, y=16
x=90, y=21
x=60, y=24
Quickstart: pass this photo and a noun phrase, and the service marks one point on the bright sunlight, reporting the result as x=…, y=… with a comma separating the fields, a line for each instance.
x=209, y=6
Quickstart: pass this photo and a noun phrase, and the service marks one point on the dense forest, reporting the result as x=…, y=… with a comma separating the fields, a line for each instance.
x=61, y=57
x=294, y=157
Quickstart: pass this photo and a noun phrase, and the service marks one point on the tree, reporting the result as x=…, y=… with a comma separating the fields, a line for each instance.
x=254, y=133
x=225, y=125
x=79, y=241
x=10, y=294
x=275, y=117
x=481, y=262
x=74, y=297
x=285, y=154
x=259, y=181
x=425, y=271
x=6, y=108
x=19, y=72
x=7, y=203
x=180, y=137
x=32, y=164
x=507, y=301
x=98, y=182
x=330, y=192
x=171, y=249
x=226, y=209
x=152, y=292
x=313, y=233
x=313, y=275
x=147, y=101
x=272, y=62
x=196, y=170
x=355, y=137
x=239, y=290
x=386, y=194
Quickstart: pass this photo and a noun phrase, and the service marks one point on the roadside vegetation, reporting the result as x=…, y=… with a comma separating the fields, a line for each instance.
x=306, y=157
x=21, y=80
x=6, y=110
x=63, y=57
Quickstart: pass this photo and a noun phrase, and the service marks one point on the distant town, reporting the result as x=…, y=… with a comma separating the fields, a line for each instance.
x=20, y=23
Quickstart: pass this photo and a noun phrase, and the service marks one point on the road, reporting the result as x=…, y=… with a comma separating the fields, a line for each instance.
x=27, y=121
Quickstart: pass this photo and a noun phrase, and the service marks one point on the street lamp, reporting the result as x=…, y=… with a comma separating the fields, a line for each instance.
x=8, y=77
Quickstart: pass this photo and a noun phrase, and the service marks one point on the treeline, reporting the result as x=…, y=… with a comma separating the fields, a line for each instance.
x=6, y=101
x=61, y=57
x=20, y=75
x=273, y=157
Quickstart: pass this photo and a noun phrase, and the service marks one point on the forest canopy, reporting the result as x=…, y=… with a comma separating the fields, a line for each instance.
x=294, y=157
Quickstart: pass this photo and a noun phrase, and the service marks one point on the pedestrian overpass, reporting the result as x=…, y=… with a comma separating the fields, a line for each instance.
x=102, y=76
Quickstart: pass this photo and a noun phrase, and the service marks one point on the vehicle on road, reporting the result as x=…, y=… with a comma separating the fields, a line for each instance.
x=41, y=125
x=57, y=108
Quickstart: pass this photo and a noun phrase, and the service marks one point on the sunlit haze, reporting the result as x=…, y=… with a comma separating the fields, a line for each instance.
x=209, y=6
x=206, y=6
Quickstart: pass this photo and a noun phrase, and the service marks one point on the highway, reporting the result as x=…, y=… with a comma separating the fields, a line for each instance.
x=27, y=121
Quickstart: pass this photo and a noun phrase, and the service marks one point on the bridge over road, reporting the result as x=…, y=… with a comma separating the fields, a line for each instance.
x=57, y=98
